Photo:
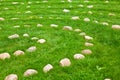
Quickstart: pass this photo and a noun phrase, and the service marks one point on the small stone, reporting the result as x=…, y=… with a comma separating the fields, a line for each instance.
x=86, y=19
x=75, y=18
x=66, y=10
x=111, y=14
x=2, y=19
x=54, y=25
x=14, y=18
x=14, y=36
x=28, y=12
x=116, y=27
x=30, y=72
x=34, y=38
x=67, y=28
x=82, y=34
x=41, y=41
x=77, y=30
x=32, y=49
x=4, y=56
x=17, y=26
x=70, y=1
x=88, y=38
x=39, y=25
x=65, y=62
x=81, y=5
x=18, y=52
x=107, y=79
x=90, y=12
x=47, y=68
x=86, y=51
x=88, y=44
x=90, y=6
x=25, y=35
x=11, y=77
x=14, y=2
x=105, y=23
x=79, y=56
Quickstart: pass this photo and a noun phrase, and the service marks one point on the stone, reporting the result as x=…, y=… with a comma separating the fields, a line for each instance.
x=82, y=34
x=81, y=5
x=11, y=77
x=107, y=79
x=105, y=23
x=31, y=49
x=79, y=56
x=70, y=1
x=90, y=6
x=39, y=25
x=4, y=56
x=86, y=51
x=116, y=27
x=25, y=35
x=86, y=19
x=14, y=36
x=67, y=28
x=77, y=30
x=54, y=25
x=88, y=44
x=88, y=38
x=66, y=10
x=17, y=26
x=111, y=14
x=2, y=19
x=34, y=38
x=30, y=72
x=47, y=68
x=75, y=18
x=65, y=62
x=41, y=41
x=18, y=53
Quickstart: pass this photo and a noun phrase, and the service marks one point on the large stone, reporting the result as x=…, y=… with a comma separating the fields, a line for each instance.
x=2, y=19
x=30, y=72
x=88, y=44
x=66, y=10
x=41, y=41
x=86, y=51
x=13, y=36
x=65, y=62
x=79, y=56
x=75, y=18
x=4, y=56
x=47, y=68
x=86, y=19
x=32, y=49
x=88, y=38
x=18, y=52
x=116, y=27
x=11, y=77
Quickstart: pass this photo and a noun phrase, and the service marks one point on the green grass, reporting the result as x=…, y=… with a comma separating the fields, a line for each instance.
x=60, y=43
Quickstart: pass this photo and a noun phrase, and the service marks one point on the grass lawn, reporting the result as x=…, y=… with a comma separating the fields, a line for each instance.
x=27, y=14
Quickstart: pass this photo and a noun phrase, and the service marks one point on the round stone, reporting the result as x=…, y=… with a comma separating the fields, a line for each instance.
x=4, y=56
x=18, y=52
x=32, y=49
x=11, y=77
x=67, y=28
x=79, y=56
x=65, y=62
x=30, y=72
x=47, y=68
x=25, y=35
x=86, y=51
x=41, y=41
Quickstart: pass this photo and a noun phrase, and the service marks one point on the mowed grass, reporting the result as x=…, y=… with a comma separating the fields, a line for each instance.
x=102, y=63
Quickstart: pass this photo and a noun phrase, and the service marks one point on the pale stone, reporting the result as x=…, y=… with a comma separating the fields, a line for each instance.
x=111, y=14
x=28, y=6
x=88, y=44
x=86, y=51
x=47, y=68
x=54, y=25
x=2, y=19
x=34, y=38
x=14, y=36
x=11, y=77
x=14, y=2
x=90, y=6
x=86, y=1
x=25, y=35
x=82, y=34
x=67, y=28
x=86, y=19
x=81, y=5
x=28, y=12
x=41, y=41
x=4, y=56
x=107, y=79
x=70, y=1
x=77, y=30
x=39, y=25
x=32, y=49
x=18, y=52
x=105, y=23
x=95, y=21
x=79, y=56
x=90, y=12
x=65, y=62
x=88, y=38
x=14, y=18
x=75, y=18
x=30, y=72
x=17, y=26
x=66, y=10
x=116, y=27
